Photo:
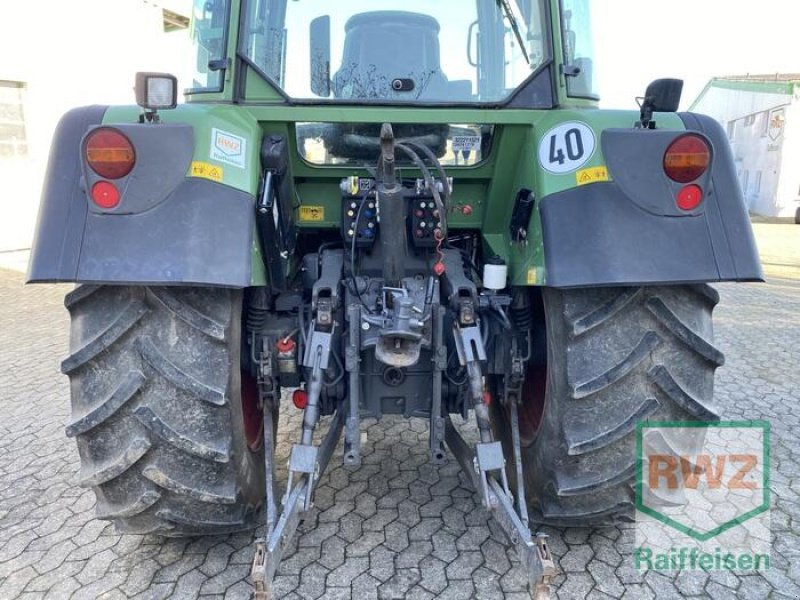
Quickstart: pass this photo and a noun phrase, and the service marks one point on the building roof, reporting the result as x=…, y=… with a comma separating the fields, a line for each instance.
x=774, y=83
x=770, y=78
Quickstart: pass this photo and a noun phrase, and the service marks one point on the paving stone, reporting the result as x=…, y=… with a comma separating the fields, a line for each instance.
x=365, y=586
x=96, y=567
x=725, y=578
x=312, y=581
x=487, y=584
x=380, y=520
x=605, y=579
x=396, y=536
x=15, y=583
x=596, y=594
x=754, y=586
x=716, y=591
x=576, y=560
x=433, y=576
x=141, y=577
x=399, y=584
x=18, y=563
x=221, y=582
x=458, y=590
x=181, y=566
x=662, y=584
x=285, y=585
x=691, y=583
x=216, y=560
x=464, y=565
x=189, y=585
x=97, y=588
x=294, y=563
x=413, y=554
x=61, y=589
x=157, y=591
x=332, y=552
x=444, y=546
x=240, y=591
x=638, y=591
x=344, y=575
x=350, y=527
x=381, y=563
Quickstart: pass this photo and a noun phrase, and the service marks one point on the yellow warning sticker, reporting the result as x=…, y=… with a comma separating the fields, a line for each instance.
x=591, y=175
x=206, y=171
x=533, y=276
x=312, y=213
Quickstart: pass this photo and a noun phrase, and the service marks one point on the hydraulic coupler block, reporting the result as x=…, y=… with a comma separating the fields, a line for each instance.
x=359, y=212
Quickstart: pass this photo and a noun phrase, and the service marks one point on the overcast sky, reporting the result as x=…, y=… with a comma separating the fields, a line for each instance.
x=637, y=41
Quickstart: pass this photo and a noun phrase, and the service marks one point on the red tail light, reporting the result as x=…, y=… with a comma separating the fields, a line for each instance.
x=105, y=194
x=687, y=158
x=689, y=197
x=109, y=153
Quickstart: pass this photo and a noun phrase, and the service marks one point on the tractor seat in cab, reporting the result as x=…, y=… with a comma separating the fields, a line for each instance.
x=391, y=55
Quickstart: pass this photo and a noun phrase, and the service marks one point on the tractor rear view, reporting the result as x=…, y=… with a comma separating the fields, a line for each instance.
x=391, y=209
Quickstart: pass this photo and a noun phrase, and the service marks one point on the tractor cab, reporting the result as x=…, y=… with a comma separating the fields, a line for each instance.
x=495, y=52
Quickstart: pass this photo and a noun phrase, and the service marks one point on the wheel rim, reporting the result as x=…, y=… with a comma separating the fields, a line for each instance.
x=534, y=399
x=252, y=415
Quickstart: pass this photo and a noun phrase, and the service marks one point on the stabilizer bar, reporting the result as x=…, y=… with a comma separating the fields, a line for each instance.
x=270, y=551
x=533, y=552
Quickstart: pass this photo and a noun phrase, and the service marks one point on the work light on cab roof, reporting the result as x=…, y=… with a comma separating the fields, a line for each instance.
x=154, y=92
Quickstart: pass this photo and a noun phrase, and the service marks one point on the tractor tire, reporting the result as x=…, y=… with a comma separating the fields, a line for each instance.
x=615, y=357
x=164, y=426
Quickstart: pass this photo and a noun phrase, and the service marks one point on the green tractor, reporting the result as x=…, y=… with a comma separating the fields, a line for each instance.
x=409, y=208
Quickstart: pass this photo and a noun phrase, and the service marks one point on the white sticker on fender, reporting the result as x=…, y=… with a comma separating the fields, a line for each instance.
x=228, y=148
x=566, y=147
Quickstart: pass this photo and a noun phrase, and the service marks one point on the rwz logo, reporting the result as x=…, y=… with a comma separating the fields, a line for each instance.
x=702, y=479
x=674, y=472
x=228, y=148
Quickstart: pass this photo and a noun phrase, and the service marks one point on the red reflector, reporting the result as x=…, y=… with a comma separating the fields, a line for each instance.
x=689, y=197
x=105, y=195
x=285, y=345
x=109, y=153
x=687, y=158
x=300, y=399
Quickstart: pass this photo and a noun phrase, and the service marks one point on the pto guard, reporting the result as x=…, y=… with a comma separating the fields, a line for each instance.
x=167, y=229
x=628, y=231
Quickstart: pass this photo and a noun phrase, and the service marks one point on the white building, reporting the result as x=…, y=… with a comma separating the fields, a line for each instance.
x=761, y=114
x=59, y=55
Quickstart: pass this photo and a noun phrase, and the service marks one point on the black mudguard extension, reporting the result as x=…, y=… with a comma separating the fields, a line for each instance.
x=595, y=235
x=201, y=234
x=62, y=212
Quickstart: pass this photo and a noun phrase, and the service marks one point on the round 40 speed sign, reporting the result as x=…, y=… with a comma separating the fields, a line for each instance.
x=566, y=147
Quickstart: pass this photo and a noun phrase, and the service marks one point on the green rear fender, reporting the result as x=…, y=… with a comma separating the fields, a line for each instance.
x=607, y=214
x=560, y=151
x=227, y=141
x=184, y=214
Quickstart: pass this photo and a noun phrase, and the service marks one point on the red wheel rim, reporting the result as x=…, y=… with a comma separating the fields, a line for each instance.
x=252, y=415
x=531, y=411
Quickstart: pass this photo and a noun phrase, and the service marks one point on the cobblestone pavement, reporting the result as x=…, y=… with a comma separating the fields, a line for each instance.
x=397, y=527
